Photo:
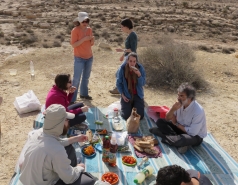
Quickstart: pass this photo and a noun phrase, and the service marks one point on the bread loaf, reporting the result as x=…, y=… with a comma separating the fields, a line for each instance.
x=138, y=148
x=89, y=134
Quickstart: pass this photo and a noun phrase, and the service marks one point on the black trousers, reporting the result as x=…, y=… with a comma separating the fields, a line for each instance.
x=126, y=107
x=79, y=118
x=176, y=137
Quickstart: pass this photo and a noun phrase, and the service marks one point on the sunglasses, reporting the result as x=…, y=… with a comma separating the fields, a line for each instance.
x=86, y=21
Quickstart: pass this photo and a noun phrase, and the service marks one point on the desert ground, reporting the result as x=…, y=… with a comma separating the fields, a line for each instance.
x=214, y=63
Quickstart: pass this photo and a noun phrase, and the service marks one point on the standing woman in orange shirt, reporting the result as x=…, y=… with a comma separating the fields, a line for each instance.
x=81, y=40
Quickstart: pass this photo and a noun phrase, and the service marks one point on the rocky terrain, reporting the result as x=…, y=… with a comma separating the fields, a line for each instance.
x=40, y=31
x=47, y=24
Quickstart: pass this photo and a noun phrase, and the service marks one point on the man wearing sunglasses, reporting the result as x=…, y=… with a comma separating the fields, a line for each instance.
x=82, y=40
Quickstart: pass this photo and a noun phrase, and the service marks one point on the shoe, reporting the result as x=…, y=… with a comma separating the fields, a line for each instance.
x=156, y=131
x=114, y=91
x=86, y=97
x=182, y=149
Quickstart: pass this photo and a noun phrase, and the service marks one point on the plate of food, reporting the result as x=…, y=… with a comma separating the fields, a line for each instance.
x=110, y=177
x=102, y=131
x=88, y=151
x=129, y=160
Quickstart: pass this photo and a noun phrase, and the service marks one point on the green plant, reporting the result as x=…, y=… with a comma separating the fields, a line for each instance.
x=170, y=65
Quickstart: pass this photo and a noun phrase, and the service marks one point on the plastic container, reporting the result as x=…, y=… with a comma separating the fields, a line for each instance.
x=13, y=72
x=113, y=149
x=105, y=149
x=32, y=69
x=140, y=177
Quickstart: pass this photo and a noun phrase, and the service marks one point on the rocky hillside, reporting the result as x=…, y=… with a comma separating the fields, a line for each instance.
x=34, y=23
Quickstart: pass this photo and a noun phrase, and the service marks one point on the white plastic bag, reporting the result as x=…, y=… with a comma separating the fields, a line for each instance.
x=28, y=102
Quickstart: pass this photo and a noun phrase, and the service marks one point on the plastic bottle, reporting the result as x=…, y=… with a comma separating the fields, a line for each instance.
x=113, y=149
x=32, y=69
x=140, y=177
x=106, y=148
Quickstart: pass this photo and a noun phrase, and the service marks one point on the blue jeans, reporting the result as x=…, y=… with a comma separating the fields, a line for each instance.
x=82, y=67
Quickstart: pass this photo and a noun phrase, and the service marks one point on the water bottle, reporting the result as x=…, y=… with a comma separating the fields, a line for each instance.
x=140, y=177
x=32, y=70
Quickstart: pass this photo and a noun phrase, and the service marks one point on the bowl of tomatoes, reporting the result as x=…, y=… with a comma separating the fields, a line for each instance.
x=110, y=177
x=129, y=160
x=88, y=151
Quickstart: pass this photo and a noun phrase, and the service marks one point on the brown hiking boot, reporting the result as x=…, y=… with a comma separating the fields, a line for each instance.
x=114, y=91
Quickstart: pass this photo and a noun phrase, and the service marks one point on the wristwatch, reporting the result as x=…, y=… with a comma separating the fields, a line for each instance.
x=176, y=124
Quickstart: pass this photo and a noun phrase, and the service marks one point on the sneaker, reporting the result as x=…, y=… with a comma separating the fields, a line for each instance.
x=86, y=97
x=114, y=91
x=182, y=149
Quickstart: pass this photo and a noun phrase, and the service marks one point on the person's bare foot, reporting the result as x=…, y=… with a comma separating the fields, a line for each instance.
x=0, y=100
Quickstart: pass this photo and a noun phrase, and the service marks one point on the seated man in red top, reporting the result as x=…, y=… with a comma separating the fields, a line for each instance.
x=62, y=93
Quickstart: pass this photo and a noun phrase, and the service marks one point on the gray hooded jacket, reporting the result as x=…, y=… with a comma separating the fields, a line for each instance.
x=44, y=159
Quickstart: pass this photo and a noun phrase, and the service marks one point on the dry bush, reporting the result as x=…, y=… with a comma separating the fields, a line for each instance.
x=170, y=65
x=56, y=44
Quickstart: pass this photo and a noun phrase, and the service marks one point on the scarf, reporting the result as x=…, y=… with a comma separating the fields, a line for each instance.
x=131, y=77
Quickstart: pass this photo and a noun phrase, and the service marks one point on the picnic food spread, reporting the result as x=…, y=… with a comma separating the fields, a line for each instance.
x=110, y=177
x=98, y=122
x=89, y=150
x=129, y=160
x=102, y=131
x=146, y=144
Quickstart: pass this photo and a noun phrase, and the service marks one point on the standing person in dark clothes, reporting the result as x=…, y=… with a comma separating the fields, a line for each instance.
x=130, y=44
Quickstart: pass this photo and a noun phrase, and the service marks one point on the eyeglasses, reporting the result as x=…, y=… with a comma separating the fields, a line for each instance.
x=69, y=81
x=86, y=21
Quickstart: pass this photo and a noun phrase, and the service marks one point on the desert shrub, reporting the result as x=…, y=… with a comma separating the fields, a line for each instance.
x=29, y=31
x=119, y=39
x=105, y=34
x=56, y=44
x=29, y=39
x=103, y=18
x=228, y=50
x=185, y=4
x=204, y=48
x=170, y=65
x=97, y=26
x=45, y=45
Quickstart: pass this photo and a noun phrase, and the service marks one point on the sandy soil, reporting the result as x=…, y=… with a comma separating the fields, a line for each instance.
x=219, y=100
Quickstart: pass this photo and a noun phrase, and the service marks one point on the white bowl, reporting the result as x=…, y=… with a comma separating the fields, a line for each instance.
x=13, y=72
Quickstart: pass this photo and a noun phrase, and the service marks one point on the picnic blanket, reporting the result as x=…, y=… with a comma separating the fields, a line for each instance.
x=209, y=158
